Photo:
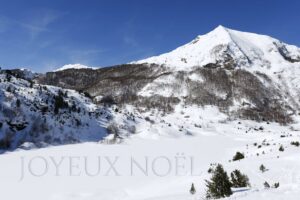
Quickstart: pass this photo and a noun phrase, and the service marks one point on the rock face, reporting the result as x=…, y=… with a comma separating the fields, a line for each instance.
x=246, y=75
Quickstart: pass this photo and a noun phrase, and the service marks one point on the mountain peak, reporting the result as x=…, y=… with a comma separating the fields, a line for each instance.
x=221, y=27
x=216, y=47
x=220, y=32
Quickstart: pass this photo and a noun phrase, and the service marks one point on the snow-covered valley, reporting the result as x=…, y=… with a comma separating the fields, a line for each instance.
x=39, y=178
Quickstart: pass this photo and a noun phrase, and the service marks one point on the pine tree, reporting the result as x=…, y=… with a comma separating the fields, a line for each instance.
x=192, y=190
x=59, y=102
x=262, y=168
x=238, y=179
x=219, y=186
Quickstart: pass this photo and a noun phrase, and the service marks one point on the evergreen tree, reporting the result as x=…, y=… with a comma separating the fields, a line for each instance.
x=238, y=179
x=219, y=186
x=192, y=190
x=262, y=168
x=59, y=102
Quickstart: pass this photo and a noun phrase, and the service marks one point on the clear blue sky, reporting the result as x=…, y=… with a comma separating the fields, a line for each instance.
x=46, y=34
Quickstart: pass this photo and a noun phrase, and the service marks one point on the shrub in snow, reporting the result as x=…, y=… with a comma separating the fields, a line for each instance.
x=149, y=120
x=192, y=190
x=238, y=156
x=210, y=170
x=281, y=148
x=219, y=185
x=276, y=185
x=262, y=168
x=238, y=179
x=266, y=185
x=113, y=129
x=295, y=143
x=132, y=129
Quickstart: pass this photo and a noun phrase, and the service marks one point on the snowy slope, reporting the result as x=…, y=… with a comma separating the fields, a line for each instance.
x=38, y=115
x=34, y=116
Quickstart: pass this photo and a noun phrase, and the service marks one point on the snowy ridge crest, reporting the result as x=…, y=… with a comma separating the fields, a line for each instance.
x=74, y=66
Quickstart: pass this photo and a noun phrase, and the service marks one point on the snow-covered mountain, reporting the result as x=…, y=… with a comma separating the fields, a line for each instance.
x=233, y=49
x=246, y=75
x=224, y=45
x=73, y=66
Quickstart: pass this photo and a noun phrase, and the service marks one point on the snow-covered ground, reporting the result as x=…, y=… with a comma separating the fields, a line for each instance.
x=168, y=143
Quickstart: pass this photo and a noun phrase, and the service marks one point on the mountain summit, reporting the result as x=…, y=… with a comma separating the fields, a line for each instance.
x=230, y=47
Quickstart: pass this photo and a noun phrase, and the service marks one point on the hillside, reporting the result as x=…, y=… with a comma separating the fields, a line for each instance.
x=35, y=115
